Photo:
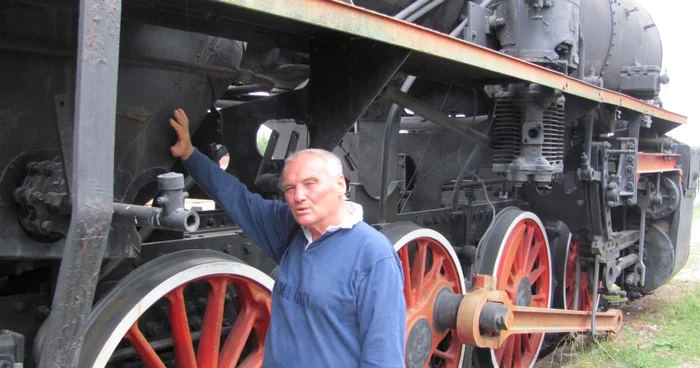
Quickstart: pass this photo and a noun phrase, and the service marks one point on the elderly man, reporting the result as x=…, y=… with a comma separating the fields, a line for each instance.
x=338, y=298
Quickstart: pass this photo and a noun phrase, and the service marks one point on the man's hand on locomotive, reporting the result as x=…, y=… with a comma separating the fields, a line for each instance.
x=183, y=147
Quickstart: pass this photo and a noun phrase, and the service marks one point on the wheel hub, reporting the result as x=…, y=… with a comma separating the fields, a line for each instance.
x=523, y=297
x=420, y=341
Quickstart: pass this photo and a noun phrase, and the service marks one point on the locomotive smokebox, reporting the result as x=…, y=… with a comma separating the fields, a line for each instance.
x=619, y=34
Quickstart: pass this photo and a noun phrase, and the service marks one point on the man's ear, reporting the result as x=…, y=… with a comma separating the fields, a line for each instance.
x=342, y=187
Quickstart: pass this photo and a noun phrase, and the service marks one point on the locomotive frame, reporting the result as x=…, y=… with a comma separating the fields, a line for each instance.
x=627, y=177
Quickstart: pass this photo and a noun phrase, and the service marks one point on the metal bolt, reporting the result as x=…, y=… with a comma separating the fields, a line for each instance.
x=611, y=203
x=36, y=196
x=630, y=201
x=611, y=185
x=630, y=158
x=42, y=312
x=580, y=202
x=47, y=226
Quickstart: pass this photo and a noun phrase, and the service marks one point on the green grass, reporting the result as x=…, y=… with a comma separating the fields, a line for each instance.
x=667, y=337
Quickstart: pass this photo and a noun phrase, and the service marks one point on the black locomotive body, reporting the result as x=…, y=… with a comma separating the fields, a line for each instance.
x=473, y=164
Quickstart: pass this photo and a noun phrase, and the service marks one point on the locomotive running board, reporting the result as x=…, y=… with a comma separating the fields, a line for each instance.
x=434, y=55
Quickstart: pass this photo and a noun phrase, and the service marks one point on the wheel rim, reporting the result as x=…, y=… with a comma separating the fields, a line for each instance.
x=516, y=251
x=430, y=266
x=585, y=298
x=199, y=336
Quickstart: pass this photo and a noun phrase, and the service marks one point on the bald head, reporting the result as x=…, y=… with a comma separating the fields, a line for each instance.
x=335, y=167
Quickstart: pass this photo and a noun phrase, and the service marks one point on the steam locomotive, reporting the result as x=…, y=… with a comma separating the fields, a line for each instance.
x=525, y=142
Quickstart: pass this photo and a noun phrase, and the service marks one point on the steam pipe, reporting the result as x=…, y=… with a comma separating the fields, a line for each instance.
x=410, y=9
x=424, y=10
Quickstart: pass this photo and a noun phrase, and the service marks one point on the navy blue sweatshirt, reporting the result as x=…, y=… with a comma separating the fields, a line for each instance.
x=336, y=303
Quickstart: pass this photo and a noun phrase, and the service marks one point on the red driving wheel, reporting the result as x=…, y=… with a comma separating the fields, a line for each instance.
x=515, y=249
x=430, y=266
x=193, y=308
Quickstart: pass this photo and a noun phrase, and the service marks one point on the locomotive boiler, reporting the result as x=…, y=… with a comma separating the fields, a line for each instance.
x=514, y=152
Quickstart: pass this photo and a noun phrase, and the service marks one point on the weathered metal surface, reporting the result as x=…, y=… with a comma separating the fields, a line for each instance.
x=431, y=47
x=346, y=76
x=93, y=182
x=656, y=162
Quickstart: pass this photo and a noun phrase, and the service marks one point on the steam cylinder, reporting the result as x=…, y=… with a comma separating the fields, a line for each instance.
x=617, y=33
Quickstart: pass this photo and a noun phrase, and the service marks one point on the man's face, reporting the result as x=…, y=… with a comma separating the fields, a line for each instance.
x=312, y=194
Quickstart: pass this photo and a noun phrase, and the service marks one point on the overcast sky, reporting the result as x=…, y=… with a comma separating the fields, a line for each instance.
x=678, y=22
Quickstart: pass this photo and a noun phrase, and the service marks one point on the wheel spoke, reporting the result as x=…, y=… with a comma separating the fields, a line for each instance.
x=570, y=282
x=536, y=274
x=451, y=355
x=208, y=353
x=517, y=351
x=511, y=290
x=418, y=269
x=434, y=272
x=182, y=340
x=539, y=299
x=254, y=360
x=532, y=342
x=534, y=253
x=407, y=290
x=527, y=248
x=508, y=353
x=237, y=337
x=144, y=350
x=515, y=260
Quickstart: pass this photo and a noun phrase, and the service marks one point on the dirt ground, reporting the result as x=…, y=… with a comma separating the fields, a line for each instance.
x=684, y=282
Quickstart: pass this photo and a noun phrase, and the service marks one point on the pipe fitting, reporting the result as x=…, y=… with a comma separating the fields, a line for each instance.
x=170, y=216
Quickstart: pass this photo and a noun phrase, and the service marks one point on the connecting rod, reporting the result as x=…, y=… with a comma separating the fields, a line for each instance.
x=485, y=317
